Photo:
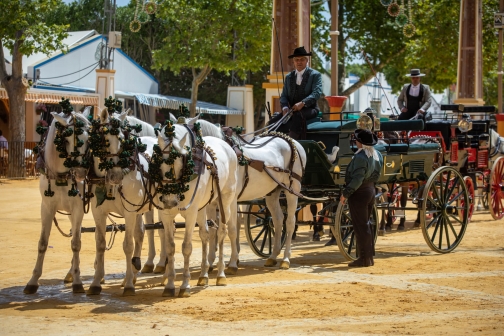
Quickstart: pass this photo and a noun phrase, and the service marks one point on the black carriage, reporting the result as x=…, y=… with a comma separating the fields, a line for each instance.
x=470, y=144
x=442, y=200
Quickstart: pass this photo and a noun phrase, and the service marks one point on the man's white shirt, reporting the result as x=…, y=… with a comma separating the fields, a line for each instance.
x=414, y=90
x=299, y=76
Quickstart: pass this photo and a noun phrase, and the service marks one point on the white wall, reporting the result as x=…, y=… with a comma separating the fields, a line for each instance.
x=129, y=76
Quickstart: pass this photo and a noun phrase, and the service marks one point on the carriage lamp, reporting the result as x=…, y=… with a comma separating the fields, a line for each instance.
x=365, y=122
x=465, y=124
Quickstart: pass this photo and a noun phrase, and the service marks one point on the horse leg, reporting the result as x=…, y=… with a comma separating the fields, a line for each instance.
x=191, y=217
x=204, y=236
x=131, y=220
x=161, y=265
x=169, y=230
x=149, y=264
x=100, y=218
x=232, y=217
x=138, y=237
x=76, y=219
x=404, y=200
x=273, y=204
x=221, y=235
x=47, y=215
x=289, y=224
x=211, y=211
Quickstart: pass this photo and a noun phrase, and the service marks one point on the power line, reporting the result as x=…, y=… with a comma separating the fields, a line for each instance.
x=96, y=65
x=71, y=73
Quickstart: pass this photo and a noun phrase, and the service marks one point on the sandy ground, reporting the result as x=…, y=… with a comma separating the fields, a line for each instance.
x=409, y=291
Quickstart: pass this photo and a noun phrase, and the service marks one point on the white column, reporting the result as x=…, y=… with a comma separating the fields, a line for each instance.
x=241, y=98
x=105, y=86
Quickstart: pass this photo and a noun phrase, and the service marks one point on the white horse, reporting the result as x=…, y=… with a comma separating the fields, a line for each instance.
x=59, y=188
x=215, y=169
x=121, y=189
x=148, y=131
x=279, y=155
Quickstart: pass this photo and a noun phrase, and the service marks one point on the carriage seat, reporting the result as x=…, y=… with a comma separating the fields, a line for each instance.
x=443, y=126
x=402, y=125
x=404, y=148
x=331, y=126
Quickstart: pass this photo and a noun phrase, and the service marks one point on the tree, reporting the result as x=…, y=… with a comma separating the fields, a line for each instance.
x=23, y=31
x=223, y=35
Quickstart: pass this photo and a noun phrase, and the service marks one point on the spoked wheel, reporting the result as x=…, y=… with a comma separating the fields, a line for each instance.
x=344, y=233
x=470, y=189
x=496, y=194
x=260, y=231
x=445, y=197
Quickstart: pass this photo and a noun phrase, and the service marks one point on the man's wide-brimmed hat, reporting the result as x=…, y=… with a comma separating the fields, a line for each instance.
x=366, y=137
x=301, y=51
x=415, y=73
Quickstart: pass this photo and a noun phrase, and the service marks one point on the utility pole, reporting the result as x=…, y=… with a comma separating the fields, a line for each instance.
x=334, y=47
x=500, y=107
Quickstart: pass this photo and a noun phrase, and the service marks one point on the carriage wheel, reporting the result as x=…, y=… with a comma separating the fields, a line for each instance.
x=496, y=194
x=344, y=233
x=470, y=189
x=445, y=197
x=260, y=231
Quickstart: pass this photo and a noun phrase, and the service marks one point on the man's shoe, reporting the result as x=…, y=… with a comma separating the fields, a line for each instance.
x=316, y=236
x=364, y=262
x=331, y=242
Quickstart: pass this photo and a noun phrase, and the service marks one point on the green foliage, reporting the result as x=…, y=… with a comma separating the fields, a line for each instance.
x=22, y=22
x=222, y=35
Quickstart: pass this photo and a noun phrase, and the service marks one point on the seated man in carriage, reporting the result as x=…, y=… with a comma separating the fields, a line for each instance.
x=300, y=93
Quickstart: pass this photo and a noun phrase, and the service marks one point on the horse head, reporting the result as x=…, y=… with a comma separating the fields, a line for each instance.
x=172, y=165
x=111, y=147
x=70, y=137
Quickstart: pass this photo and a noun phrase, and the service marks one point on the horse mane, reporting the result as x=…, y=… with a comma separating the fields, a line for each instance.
x=147, y=129
x=209, y=129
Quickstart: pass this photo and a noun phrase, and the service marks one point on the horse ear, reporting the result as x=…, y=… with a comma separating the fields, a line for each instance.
x=59, y=118
x=161, y=141
x=129, y=112
x=192, y=121
x=172, y=118
x=123, y=115
x=86, y=111
x=104, y=115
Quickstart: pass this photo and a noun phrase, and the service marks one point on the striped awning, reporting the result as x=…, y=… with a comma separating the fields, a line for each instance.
x=174, y=103
x=55, y=98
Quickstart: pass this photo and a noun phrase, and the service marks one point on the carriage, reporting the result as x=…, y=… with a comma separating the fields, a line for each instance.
x=441, y=193
x=442, y=198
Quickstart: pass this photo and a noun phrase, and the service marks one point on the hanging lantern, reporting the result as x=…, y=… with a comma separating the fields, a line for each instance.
x=409, y=30
x=393, y=9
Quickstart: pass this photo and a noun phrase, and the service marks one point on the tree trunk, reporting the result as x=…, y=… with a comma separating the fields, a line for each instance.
x=197, y=80
x=17, y=129
x=16, y=91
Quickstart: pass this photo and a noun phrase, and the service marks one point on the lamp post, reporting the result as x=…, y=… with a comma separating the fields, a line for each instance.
x=334, y=47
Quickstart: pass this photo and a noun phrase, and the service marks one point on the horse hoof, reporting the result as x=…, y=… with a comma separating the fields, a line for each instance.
x=78, y=289
x=124, y=282
x=147, y=269
x=221, y=281
x=68, y=278
x=231, y=271
x=381, y=232
x=184, y=293
x=270, y=263
x=210, y=269
x=30, y=289
x=130, y=291
x=159, y=269
x=169, y=292
x=102, y=281
x=94, y=290
x=285, y=265
x=202, y=281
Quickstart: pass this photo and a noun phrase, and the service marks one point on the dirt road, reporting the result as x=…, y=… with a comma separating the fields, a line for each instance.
x=409, y=291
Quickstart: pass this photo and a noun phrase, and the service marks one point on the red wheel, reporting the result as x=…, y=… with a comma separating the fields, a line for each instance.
x=496, y=194
x=470, y=190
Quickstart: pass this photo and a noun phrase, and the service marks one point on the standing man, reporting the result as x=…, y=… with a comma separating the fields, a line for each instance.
x=300, y=93
x=361, y=175
x=415, y=98
x=3, y=141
